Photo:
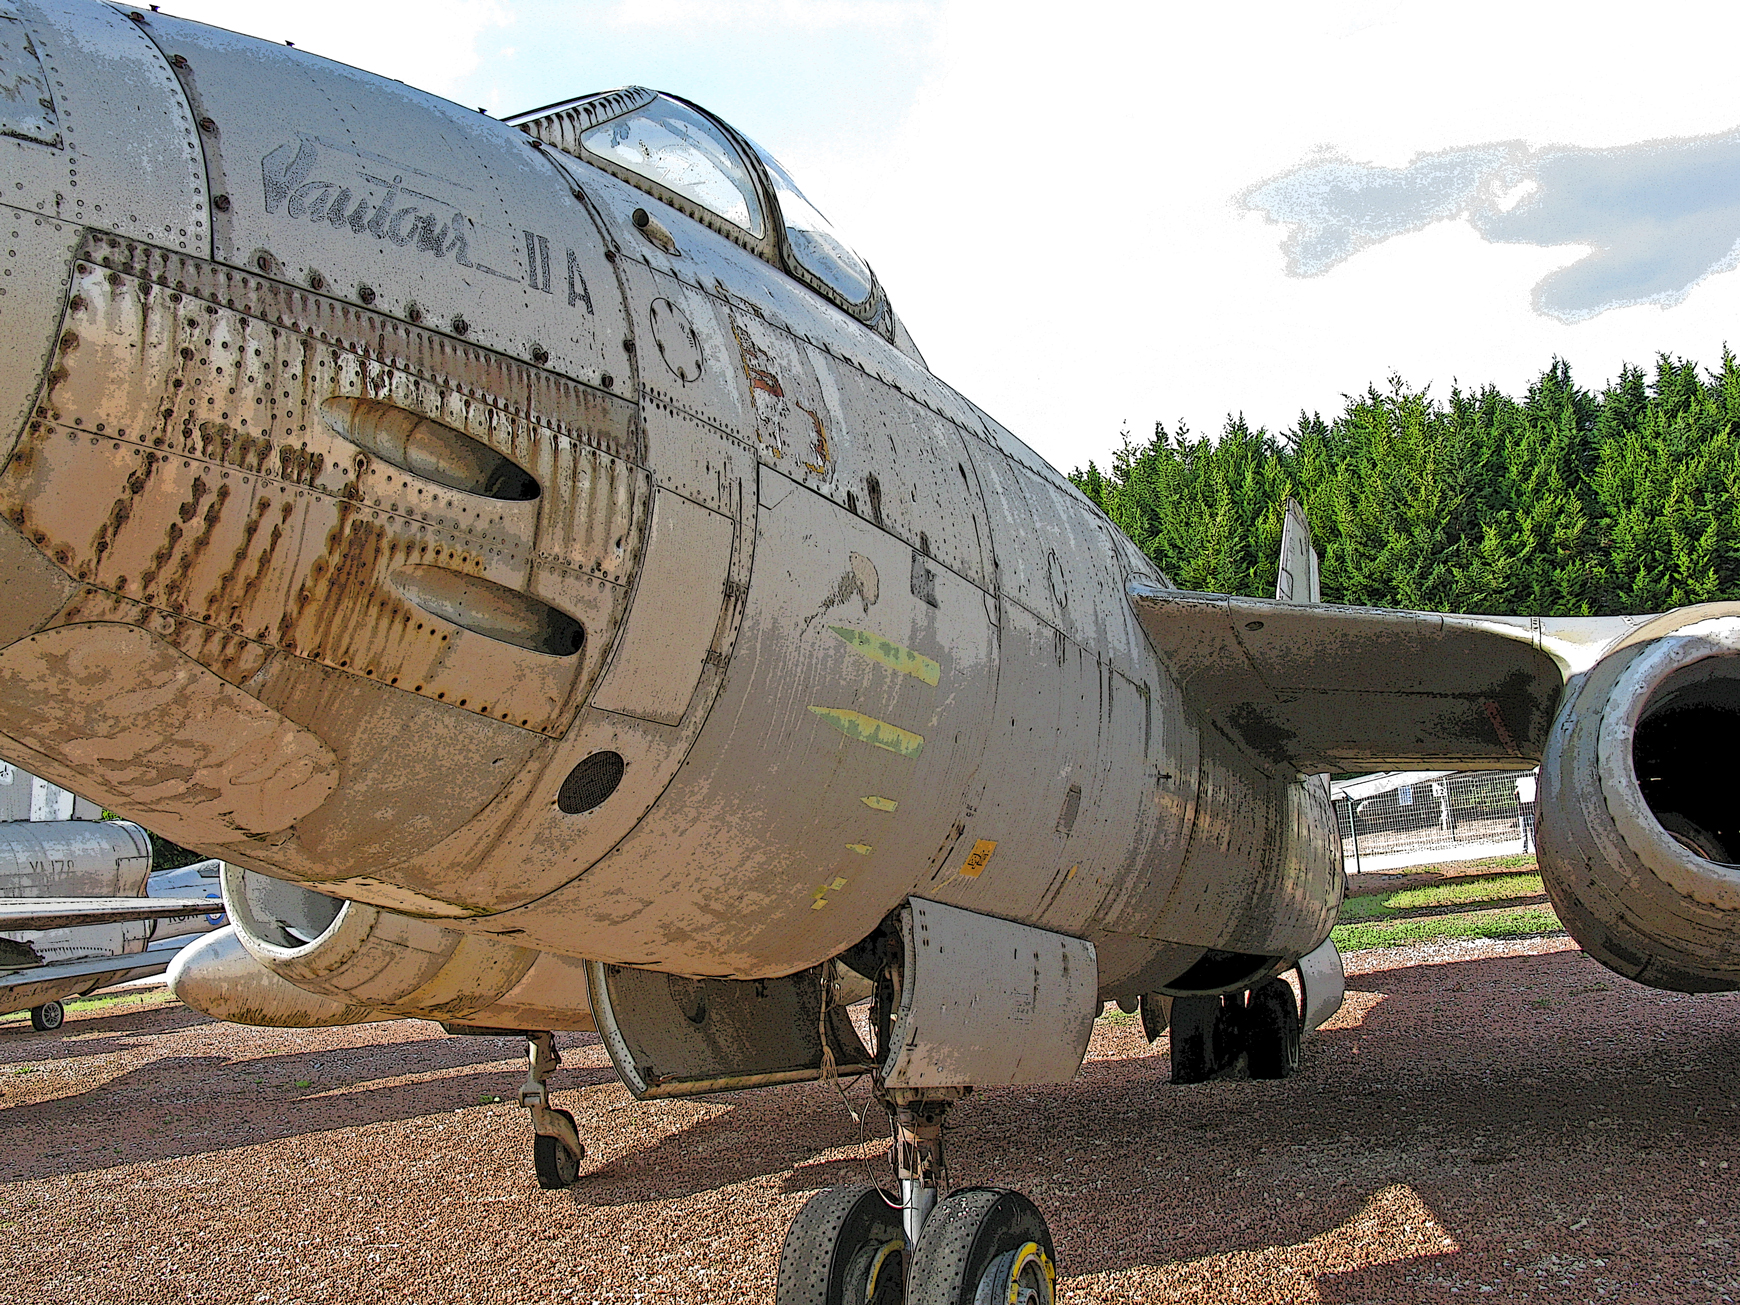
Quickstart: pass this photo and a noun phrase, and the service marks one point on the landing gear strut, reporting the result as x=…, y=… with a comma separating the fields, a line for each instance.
x=556, y=1147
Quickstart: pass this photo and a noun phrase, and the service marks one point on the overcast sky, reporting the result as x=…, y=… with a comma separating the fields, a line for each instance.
x=1110, y=215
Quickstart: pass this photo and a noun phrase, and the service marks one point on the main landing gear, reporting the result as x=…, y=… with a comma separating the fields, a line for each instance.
x=868, y=1246
x=556, y=1147
x=47, y=1017
x=1209, y=1034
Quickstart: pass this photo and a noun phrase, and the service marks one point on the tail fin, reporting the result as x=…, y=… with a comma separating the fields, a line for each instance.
x=1298, y=581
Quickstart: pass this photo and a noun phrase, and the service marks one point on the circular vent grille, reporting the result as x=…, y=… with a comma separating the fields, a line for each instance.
x=591, y=782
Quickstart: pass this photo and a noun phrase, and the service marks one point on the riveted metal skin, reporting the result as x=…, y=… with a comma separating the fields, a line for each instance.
x=340, y=524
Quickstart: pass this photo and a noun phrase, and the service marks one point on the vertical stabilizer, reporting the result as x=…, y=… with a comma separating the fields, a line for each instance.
x=1298, y=580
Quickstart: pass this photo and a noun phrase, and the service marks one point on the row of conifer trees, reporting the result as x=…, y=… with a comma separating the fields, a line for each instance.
x=1567, y=501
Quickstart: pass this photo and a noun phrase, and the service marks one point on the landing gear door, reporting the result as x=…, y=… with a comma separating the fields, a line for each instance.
x=674, y=1037
x=986, y=1001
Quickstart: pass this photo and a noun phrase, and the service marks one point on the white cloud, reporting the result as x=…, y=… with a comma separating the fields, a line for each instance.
x=801, y=15
x=430, y=44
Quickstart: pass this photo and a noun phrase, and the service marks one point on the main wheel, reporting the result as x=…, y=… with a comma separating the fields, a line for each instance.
x=1202, y=1041
x=47, y=1017
x=984, y=1246
x=844, y=1248
x=555, y=1165
x=1272, y=1031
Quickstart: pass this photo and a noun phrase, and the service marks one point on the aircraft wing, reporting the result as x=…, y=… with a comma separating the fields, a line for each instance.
x=153, y=960
x=67, y=912
x=1325, y=688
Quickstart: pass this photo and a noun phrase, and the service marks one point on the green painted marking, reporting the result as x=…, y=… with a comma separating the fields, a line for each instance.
x=891, y=655
x=879, y=803
x=877, y=733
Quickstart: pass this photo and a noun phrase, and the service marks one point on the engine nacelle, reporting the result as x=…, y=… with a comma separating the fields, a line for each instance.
x=1639, y=823
x=360, y=962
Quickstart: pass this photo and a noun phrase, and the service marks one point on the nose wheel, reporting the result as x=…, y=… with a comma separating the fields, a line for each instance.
x=47, y=1017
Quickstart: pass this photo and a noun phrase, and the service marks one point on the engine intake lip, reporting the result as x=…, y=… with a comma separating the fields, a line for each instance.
x=1637, y=690
x=248, y=899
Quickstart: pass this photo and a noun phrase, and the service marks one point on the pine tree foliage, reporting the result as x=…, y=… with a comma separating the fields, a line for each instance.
x=1566, y=502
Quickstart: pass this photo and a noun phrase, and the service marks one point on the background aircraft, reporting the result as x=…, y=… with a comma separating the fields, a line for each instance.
x=80, y=906
x=535, y=557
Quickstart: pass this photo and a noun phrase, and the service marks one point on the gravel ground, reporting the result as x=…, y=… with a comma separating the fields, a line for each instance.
x=1502, y=1120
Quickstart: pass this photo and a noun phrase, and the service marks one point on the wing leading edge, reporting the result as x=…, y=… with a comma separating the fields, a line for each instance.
x=18, y=914
x=1324, y=688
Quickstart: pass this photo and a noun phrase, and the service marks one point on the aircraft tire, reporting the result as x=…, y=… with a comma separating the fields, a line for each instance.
x=1272, y=1031
x=1200, y=1032
x=981, y=1246
x=555, y=1165
x=47, y=1017
x=845, y=1247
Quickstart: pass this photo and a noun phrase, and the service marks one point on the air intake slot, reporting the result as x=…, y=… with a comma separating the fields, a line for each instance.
x=422, y=447
x=492, y=610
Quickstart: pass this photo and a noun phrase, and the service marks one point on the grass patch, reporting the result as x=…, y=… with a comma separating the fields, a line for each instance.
x=1515, y=922
x=1470, y=890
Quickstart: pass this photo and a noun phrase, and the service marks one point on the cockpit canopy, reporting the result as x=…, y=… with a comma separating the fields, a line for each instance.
x=679, y=153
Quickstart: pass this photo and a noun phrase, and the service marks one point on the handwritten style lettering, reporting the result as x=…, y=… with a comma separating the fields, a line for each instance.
x=285, y=174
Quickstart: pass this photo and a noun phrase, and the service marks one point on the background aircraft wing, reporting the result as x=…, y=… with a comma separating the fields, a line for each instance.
x=153, y=960
x=66, y=912
x=1325, y=688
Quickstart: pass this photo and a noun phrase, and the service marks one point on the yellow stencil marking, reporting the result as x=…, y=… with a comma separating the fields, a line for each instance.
x=976, y=859
x=891, y=655
x=879, y=803
x=820, y=896
x=862, y=849
x=877, y=733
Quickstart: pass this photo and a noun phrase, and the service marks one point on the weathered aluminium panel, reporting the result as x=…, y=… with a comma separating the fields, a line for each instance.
x=985, y=1001
x=665, y=642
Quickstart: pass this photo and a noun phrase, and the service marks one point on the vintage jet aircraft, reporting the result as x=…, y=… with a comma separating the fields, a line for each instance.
x=536, y=558
x=80, y=906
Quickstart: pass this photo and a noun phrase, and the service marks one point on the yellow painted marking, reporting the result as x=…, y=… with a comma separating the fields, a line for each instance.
x=838, y=884
x=974, y=865
x=867, y=729
x=891, y=655
x=879, y=803
x=818, y=904
x=862, y=849
x=1072, y=870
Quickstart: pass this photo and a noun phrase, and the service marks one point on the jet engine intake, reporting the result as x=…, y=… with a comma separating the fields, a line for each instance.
x=1639, y=830
x=375, y=964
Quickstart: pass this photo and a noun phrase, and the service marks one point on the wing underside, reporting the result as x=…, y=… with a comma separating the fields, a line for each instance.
x=1326, y=688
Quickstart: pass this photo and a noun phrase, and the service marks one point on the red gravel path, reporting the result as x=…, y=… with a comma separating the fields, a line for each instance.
x=1484, y=1120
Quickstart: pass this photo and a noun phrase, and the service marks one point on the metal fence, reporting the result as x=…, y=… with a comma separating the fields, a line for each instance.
x=1445, y=814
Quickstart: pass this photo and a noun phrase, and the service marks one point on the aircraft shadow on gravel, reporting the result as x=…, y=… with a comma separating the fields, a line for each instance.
x=1476, y=1094
x=233, y=1110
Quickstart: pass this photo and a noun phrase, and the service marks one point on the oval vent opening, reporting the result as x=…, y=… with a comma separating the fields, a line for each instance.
x=590, y=783
x=420, y=446
x=492, y=610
